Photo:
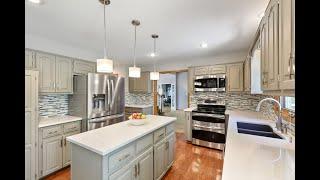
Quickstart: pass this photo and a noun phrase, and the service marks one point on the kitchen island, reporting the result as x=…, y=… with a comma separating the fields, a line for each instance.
x=124, y=151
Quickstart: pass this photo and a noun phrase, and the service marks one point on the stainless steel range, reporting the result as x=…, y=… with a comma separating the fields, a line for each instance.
x=208, y=124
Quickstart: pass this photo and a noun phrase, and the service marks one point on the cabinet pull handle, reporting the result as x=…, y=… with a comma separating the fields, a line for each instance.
x=65, y=142
x=124, y=157
x=135, y=170
x=138, y=168
x=291, y=73
x=61, y=142
x=160, y=136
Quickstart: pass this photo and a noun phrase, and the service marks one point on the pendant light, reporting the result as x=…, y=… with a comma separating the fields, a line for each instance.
x=154, y=75
x=105, y=65
x=134, y=71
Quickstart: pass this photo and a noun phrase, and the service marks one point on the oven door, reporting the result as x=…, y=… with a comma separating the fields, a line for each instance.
x=206, y=83
x=212, y=118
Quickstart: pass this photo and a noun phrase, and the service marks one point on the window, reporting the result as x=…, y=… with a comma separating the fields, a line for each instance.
x=288, y=102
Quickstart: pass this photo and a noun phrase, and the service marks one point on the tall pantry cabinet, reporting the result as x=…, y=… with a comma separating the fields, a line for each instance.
x=31, y=122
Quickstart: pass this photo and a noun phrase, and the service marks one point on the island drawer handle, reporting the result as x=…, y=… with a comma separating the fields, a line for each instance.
x=124, y=157
x=53, y=132
x=160, y=135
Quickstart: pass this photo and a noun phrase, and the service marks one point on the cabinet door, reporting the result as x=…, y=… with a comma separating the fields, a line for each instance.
x=201, y=70
x=142, y=84
x=160, y=159
x=30, y=124
x=287, y=44
x=30, y=60
x=247, y=75
x=264, y=57
x=273, y=46
x=235, y=77
x=170, y=149
x=81, y=67
x=47, y=72
x=63, y=75
x=66, y=151
x=145, y=167
x=126, y=173
x=188, y=131
x=52, y=154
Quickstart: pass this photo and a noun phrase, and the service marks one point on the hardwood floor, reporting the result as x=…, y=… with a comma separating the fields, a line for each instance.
x=191, y=163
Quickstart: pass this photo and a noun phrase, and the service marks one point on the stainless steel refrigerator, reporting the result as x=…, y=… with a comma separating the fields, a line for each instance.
x=98, y=99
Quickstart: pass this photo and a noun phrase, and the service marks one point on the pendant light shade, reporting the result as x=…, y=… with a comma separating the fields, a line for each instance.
x=154, y=76
x=104, y=65
x=134, y=71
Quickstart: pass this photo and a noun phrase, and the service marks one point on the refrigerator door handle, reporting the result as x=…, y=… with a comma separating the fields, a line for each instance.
x=108, y=94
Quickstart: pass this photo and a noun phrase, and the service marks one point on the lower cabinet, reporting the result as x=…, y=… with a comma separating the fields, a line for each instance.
x=140, y=169
x=163, y=156
x=51, y=155
x=55, y=151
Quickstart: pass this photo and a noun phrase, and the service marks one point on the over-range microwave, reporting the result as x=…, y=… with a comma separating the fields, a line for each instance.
x=216, y=82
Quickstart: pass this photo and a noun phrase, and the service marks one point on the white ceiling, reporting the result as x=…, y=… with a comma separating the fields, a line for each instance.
x=227, y=26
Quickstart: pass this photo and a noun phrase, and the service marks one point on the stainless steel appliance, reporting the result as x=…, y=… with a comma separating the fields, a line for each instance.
x=98, y=99
x=215, y=82
x=209, y=125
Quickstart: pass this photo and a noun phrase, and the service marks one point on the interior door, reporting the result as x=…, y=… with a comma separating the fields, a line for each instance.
x=63, y=74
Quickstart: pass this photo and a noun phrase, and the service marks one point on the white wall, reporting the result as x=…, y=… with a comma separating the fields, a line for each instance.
x=182, y=90
x=55, y=47
x=179, y=65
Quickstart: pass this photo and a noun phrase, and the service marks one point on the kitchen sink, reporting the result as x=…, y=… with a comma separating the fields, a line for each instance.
x=257, y=130
x=256, y=127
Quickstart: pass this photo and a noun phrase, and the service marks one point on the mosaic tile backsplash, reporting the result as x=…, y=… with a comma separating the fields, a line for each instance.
x=241, y=101
x=139, y=98
x=51, y=105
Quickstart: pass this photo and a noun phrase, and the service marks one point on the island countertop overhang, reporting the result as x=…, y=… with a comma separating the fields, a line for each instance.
x=107, y=139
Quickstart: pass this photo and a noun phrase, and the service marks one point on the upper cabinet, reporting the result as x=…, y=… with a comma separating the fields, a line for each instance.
x=30, y=60
x=235, y=77
x=287, y=44
x=82, y=67
x=216, y=69
x=247, y=75
x=278, y=47
x=47, y=76
x=63, y=74
x=142, y=84
x=55, y=73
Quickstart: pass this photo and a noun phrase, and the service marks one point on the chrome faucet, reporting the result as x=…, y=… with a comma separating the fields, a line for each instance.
x=279, y=120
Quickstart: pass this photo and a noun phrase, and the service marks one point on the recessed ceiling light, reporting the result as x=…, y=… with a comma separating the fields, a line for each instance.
x=204, y=45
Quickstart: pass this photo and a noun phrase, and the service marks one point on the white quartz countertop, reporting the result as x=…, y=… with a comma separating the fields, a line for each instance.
x=250, y=157
x=49, y=121
x=109, y=138
x=138, y=106
x=189, y=109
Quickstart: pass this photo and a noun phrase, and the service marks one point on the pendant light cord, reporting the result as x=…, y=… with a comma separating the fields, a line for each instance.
x=135, y=44
x=154, y=51
x=105, y=34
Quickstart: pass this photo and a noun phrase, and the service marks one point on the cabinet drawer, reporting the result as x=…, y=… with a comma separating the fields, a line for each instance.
x=51, y=131
x=169, y=128
x=158, y=135
x=70, y=127
x=144, y=143
x=121, y=158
